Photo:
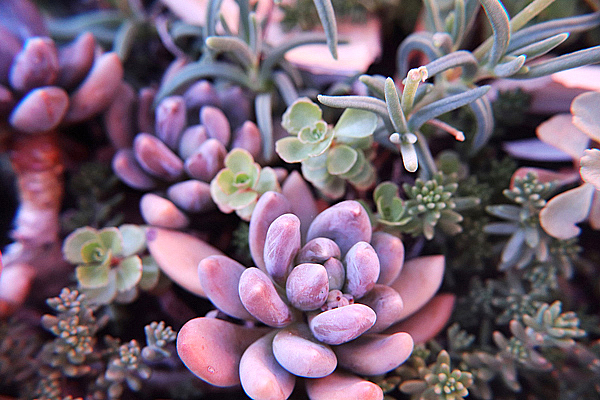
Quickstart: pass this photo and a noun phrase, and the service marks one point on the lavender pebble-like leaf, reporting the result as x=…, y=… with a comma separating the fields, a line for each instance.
x=191, y=139
x=216, y=123
x=387, y=304
x=36, y=65
x=362, y=269
x=307, y=286
x=340, y=325
x=156, y=158
x=318, y=250
x=336, y=273
x=207, y=161
x=170, y=120
x=260, y=298
x=390, y=251
x=281, y=245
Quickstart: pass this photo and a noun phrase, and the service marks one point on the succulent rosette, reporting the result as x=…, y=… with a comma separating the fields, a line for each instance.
x=180, y=147
x=329, y=303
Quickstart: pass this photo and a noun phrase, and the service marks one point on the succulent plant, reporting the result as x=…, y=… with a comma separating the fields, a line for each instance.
x=108, y=265
x=183, y=156
x=333, y=303
x=329, y=156
x=238, y=186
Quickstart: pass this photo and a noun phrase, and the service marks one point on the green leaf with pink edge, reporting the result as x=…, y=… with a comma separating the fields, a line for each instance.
x=112, y=239
x=224, y=180
x=92, y=276
x=239, y=200
x=303, y=112
x=134, y=239
x=267, y=181
x=314, y=133
x=150, y=273
x=586, y=114
x=590, y=167
x=340, y=159
x=356, y=123
x=105, y=294
x=73, y=243
x=94, y=252
x=239, y=160
x=562, y=212
x=129, y=273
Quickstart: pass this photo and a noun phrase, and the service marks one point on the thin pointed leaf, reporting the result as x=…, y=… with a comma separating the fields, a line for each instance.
x=212, y=17
x=459, y=23
x=125, y=39
x=286, y=87
x=540, y=48
x=442, y=106
x=509, y=68
x=196, y=71
x=482, y=110
x=461, y=58
x=500, y=25
x=68, y=28
x=422, y=42
x=255, y=39
x=244, y=20
x=433, y=12
x=505, y=211
x=262, y=107
x=561, y=63
x=234, y=45
x=394, y=108
x=327, y=17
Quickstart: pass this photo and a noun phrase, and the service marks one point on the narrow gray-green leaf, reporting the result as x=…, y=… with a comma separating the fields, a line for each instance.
x=327, y=17
x=286, y=87
x=540, y=48
x=460, y=21
x=196, y=71
x=180, y=30
x=212, y=17
x=544, y=30
x=509, y=68
x=422, y=42
x=124, y=39
x=244, y=20
x=505, y=211
x=561, y=63
x=375, y=83
x=460, y=58
x=255, y=39
x=234, y=45
x=433, y=12
x=394, y=108
x=442, y=106
x=264, y=120
x=501, y=27
x=482, y=111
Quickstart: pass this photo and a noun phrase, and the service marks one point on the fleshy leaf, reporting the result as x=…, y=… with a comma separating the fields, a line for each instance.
x=292, y=150
x=105, y=294
x=112, y=239
x=356, y=123
x=129, y=273
x=239, y=160
x=340, y=159
x=134, y=239
x=300, y=114
x=74, y=242
x=267, y=181
x=586, y=114
x=563, y=211
x=561, y=132
x=590, y=167
x=92, y=276
x=150, y=273
x=94, y=252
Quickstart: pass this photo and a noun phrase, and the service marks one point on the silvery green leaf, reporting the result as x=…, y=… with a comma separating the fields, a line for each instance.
x=68, y=28
x=196, y=71
x=500, y=25
x=459, y=22
x=355, y=123
x=237, y=47
x=540, y=48
x=394, y=108
x=112, y=240
x=482, y=110
x=74, y=242
x=513, y=247
x=255, y=34
x=302, y=113
x=375, y=83
x=423, y=90
x=180, y=30
x=244, y=20
x=460, y=58
x=360, y=102
x=442, y=106
x=501, y=228
x=422, y=42
x=532, y=236
x=129, y=273
x=509, y=68
x=340, y=159
x=433, y=13
x=528, y=13
x=264, y=121
x=134, y=239
x=561, y=63
x=327, y=17
x=92, y=276
x=545, y=30
x=285, y=86
x=463, y=203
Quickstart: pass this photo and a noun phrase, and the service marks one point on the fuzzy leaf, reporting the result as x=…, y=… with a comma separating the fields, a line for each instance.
x=340, y=159
x=590, y=167
x=500, y=24
x=355, y=124
x=129, y=273
x=327, y=17
x=75, y=241
x=563, y=211
x=303, y=112
x=92, y=276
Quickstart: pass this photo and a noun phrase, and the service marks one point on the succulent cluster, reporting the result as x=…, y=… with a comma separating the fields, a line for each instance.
x=333, y=303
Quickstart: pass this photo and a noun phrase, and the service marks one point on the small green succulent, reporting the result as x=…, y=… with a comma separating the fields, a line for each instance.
x=238, y=186
x=329, y=155
x=430, y=203
x=109, y=266
x=551, y=326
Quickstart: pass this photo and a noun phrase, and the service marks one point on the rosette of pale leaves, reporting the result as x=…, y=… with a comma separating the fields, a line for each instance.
x=323, y=309
x=527, y=238
x=109, y=267
x=429, y=204
x=180, y=147
x=238, y=186
x=509, y=52
x=329, y=155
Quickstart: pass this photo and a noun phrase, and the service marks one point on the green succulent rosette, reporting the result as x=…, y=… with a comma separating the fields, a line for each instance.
x=108, y=265
x=239, y=185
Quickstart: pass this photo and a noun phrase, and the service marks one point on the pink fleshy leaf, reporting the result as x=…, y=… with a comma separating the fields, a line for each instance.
x=560, y=132
x=561, y=214
x=590, y=167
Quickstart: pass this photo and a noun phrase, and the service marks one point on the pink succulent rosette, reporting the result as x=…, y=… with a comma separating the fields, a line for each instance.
x=331, y=302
